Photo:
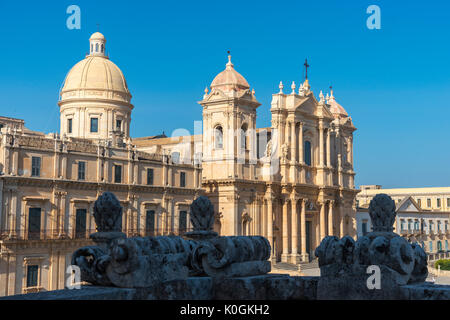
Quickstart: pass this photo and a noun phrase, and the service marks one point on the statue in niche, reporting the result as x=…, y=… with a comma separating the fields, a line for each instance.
x=285, y=151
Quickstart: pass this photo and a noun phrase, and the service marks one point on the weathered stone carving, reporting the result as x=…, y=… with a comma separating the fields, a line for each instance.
x=108, y=213
x=343, y=262
x=202, y=218
x=225, y=257
x=382, y=213
x=148, y=261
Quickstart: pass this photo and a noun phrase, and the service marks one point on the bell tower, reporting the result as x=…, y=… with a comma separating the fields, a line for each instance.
x=229, y=146
x=229, y=127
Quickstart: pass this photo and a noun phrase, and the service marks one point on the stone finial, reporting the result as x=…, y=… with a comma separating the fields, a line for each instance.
x=253, y=91
x=293, y=87
x=321, y=96
x=382, y=213
x=108, y=213
x=202, y=214
x=281, y=86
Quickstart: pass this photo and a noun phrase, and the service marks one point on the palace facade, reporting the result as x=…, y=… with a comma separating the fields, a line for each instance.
x=292, y=183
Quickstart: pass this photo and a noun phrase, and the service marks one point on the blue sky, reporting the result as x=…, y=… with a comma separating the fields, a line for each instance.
x=394, y=82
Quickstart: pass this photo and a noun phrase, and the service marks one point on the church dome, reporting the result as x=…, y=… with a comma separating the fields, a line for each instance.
x=96, y=76
x=229, y=79
x=336, y=109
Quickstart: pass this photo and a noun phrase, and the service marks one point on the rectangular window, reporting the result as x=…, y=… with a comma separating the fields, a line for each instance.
x=32, y=276
x=448, y=202
x=419, y=203
x=431, y=246
x=69, y=125
x=438, y=202
x=117, y=174
x=80, y=223
x=364, y=228
x=150, y=222
x=429, y=203
x=182, y=222
x=81, y=170
x=35, y=166
x=402, y=225
x=182, y=179
x=119, y=125
x=94, y=125
x=34, y=223
x=150, y=177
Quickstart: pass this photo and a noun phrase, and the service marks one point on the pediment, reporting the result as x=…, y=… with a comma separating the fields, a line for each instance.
x=307, y=105
x=408, y=205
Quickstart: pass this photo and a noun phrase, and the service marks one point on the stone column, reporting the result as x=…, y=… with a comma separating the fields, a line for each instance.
x=293, y=143
x=322, y=221
x=269, y=220
x=13, y=214
x=300, y=143
x=295, y=257
x=328, y=148
x=304, y=254
x=285, y=251
x=330, y=218
x=341, y=220
x=350, y=146
x=321, y=151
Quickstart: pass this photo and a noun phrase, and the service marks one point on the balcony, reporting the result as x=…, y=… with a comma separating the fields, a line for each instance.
x=24, y=235
x=49, y=234
x=405, y=232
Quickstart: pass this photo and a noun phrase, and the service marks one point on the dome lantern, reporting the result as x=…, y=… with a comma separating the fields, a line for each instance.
x=97, y=44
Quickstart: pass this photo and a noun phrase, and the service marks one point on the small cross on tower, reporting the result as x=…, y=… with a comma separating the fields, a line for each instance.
x=306, y=68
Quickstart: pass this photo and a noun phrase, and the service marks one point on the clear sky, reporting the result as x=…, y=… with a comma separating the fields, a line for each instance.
x=393, y=82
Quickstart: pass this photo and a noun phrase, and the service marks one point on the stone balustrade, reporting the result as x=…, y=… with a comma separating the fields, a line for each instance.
x=204, y=266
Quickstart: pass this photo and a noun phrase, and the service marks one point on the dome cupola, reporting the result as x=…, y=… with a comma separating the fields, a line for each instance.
x=336, y=109
x=229, y=79
x=95, y=88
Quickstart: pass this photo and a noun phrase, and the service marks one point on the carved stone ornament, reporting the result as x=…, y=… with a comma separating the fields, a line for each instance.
x=344, y=263
x=108, y=213
x=149, y=261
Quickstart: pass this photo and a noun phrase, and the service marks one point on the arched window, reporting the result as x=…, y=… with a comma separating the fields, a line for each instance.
x=307, y=151
x=446, y=245
x=218, y=137
x=244, y=137
x=431, y=246
x=439, y=245
x=102, y=48
x=92, y=47
x=96, y=47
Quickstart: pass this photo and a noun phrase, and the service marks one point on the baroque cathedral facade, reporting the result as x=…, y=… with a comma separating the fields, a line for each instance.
x=292, y=182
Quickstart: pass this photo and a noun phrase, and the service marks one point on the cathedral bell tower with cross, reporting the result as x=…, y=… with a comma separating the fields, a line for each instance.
x=229, y=139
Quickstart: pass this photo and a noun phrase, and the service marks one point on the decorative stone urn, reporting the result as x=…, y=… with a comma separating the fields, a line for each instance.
x=349, y=269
